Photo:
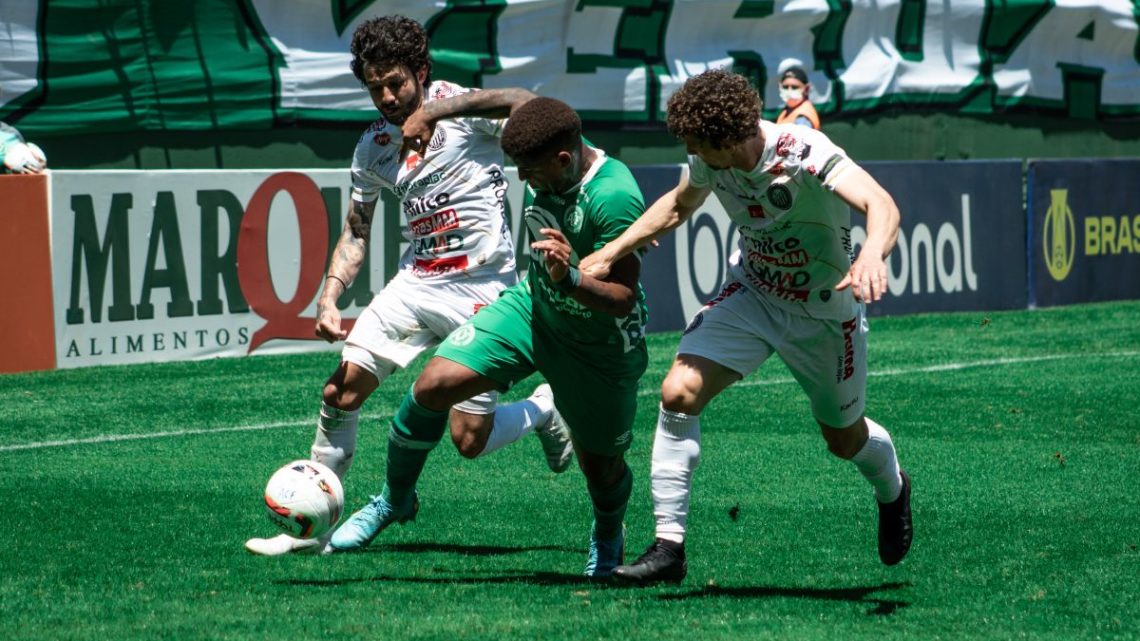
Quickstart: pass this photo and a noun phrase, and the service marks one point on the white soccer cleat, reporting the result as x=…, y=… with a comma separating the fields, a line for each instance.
x=554, y=434
x=283, y=544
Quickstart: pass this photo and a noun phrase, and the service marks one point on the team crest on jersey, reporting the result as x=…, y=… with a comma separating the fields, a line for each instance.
x=574, y=220
x=438, y=139
x=780, y=196
x=463, y=336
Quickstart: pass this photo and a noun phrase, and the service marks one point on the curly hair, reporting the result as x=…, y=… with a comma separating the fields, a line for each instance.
x=390, y=41
x=717, y=107
x=541, y=125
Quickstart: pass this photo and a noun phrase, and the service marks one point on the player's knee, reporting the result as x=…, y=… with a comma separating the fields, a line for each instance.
x=469, y=433
x=679, y=394
x=341, y=397
x=845, y=442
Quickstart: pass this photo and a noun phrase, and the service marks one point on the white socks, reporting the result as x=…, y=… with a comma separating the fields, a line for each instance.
x=676, y=453
x=878, y=463
x=515, y=421
x=335, y=441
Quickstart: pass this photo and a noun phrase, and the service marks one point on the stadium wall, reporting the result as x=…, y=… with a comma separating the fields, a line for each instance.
x=168, y=265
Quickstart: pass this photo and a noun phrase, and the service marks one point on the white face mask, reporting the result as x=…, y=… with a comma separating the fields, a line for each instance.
x=790, y=96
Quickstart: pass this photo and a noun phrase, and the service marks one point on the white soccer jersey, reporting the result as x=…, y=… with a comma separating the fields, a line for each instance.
x=795, y=235
x=452, y=197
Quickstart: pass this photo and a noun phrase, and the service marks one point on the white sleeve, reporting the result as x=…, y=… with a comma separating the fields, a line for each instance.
x=824, y=159
x=698, y=172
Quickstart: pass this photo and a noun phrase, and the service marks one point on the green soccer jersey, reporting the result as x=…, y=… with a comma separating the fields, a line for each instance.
x=594, y=212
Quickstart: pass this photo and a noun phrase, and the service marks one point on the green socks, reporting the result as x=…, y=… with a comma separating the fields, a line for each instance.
x=414, y=432
x=609, y=506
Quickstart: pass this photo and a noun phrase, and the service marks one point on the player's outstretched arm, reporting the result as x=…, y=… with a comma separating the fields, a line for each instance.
x=616, y=294
x=867, y=277
x=664, y=215
x=485, y=103
x=347, y=258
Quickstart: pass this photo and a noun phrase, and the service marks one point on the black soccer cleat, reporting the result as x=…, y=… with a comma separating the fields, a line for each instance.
x=895, y=529
x=663, y=562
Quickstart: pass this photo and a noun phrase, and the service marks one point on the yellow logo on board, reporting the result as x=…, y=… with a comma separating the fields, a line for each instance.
x=1059, y=235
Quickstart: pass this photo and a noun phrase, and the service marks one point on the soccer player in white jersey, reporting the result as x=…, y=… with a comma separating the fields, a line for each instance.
x=436, y=147
x=788, y=189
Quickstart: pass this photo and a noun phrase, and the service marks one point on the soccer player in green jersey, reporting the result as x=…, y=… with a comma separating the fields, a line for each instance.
x=584, y=334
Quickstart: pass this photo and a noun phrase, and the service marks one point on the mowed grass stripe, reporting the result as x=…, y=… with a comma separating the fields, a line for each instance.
x=907, y=371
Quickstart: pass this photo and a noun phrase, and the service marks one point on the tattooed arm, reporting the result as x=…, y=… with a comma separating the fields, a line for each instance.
x=346, y=261
x=486, y=103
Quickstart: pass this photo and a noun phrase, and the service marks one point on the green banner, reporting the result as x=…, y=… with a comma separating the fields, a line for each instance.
x=73, y=66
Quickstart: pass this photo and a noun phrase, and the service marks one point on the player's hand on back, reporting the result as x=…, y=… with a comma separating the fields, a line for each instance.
x=555, y=251
x=867, y=278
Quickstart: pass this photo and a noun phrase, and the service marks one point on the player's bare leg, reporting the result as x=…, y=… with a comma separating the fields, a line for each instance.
x=869, y=447
x=334, y=444
x=692, y=382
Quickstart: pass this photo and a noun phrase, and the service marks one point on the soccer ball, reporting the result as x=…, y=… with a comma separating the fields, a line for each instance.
x=304, y=499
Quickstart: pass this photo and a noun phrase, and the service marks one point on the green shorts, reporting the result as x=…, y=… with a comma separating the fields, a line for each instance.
x=501, y=342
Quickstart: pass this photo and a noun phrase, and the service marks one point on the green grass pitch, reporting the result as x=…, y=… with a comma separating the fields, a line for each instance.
x=130, y=491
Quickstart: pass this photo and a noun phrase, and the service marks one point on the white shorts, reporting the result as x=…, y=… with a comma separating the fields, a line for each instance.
x=828, y=358
x=409, y=316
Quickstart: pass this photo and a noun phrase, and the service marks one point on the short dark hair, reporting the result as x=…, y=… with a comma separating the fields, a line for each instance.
x=390, y=41
x=541, y=125
x=717, y=107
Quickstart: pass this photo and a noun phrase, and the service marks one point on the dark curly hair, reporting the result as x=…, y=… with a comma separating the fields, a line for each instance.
x=539, y=126
x=390, y=41
x=717, y=107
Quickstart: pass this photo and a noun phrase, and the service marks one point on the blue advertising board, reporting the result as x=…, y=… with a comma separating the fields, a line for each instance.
x=1084, y=230
x=961, y=243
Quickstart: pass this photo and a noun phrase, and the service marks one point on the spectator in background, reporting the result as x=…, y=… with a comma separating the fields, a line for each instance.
x=794, y=89
x=17, y=156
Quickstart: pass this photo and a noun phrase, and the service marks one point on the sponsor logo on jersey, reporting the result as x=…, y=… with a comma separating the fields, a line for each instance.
x=1058, y=238
x=725, y=292
x=402, y=188
x=412, y=160
x=443, y=89
x=785, y=144
x=780, y=196
x=757, y=211
x=436, y=266
x=435, y=223
x=424, y=204
x=845, y=367
x=383, y=138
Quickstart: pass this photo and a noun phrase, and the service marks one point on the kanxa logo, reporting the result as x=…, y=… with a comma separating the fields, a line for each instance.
x=1058, y=238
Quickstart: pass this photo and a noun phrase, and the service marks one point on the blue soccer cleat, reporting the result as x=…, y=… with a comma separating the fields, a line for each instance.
x=367, y=522
x=605, y=555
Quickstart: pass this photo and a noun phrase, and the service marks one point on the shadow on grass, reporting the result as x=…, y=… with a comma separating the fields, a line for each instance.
x=882, y=607
x=464, y=550
x=519, y=577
